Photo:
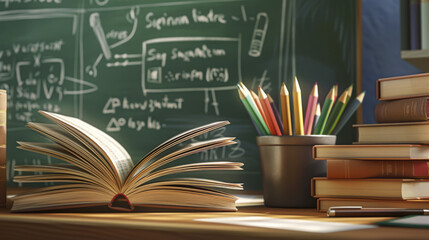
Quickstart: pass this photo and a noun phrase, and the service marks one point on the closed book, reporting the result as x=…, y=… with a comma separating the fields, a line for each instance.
x=384, y=133
x=323, y=204
x=344, y=169
x=404, y=110
x=409, y=86
x=371, y=152
x=376, y=188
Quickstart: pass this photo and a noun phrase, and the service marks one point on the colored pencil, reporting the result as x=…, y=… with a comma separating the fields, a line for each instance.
x=327, y=107
x=335, y=92
x=252, y=104
x=276, y=113
x=336, y=112
x=297, y=108
x=285, y=104
x=316, y=116
x=350, y=91
x=251, y=113
x=269, y=111
x=261, y=109
x=311, y=109
x=348, y=113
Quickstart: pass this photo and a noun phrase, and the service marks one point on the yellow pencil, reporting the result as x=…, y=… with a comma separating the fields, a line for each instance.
x=286, y=118
x=297, y=108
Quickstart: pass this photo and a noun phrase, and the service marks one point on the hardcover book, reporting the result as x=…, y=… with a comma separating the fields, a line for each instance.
x=384, y=133
x=372, y=152
x=375, y=188
x=408, y=86
x=404, y=110
x=376, y=169
x=100, y=172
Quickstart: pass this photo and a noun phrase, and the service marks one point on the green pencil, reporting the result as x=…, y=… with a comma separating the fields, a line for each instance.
x=335, y=115
x=258, y=117
x=351, y=109
x=327, y=106
x=251, y=113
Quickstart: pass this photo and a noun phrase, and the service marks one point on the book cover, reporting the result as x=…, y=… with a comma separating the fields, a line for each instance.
x=372, y=152
x=404, y=110
x=346, y=169
x=100, y=172
x=397, y=133
x=373, y=188
x=408, y=86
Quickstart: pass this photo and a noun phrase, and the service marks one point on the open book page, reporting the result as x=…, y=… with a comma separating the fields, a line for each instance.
x=96, y=140
x=176, y=196
x=145, y=161
x=189, y=149
x=73, y=145
x=74, y=155
x=63, y=196
x=207, y=166
x=62, y=173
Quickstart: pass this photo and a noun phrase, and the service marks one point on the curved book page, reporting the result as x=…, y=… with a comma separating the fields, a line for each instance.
x=96, y=140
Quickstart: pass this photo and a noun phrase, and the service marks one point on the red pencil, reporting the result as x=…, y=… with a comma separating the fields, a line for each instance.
x=261, y=109
x=269, y=111
x=311, y=110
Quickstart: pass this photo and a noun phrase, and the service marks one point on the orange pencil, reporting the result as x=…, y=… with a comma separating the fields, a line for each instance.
x=269, y=111
x=287, y=122
x=261, y=110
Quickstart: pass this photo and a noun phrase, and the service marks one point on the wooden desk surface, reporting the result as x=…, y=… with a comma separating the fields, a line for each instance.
x=180, y=225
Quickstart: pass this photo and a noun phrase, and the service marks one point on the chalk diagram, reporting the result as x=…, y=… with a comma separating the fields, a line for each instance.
x=206, y=63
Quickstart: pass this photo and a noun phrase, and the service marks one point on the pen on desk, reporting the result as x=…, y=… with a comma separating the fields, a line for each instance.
x=358, y=211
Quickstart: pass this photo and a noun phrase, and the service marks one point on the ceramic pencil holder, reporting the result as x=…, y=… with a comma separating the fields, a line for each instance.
x=287, y=166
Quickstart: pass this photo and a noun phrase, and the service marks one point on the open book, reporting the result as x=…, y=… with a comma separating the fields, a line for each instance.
x=99, y=171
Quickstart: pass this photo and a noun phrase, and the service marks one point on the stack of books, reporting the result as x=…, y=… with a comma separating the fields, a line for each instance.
x=389, y=165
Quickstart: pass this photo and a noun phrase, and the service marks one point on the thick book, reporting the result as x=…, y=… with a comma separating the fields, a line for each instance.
x=386, y=133
x=376, y=169
x=323, y=204
x=376, y=188
x=3, y=117
x=409, y=86
x=100, y=172
x=372, y=152
x=404, y=110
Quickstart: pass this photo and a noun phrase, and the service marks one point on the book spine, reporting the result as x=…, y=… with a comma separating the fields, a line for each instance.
x=344, y=169
x=424, y=14
x=3, y=117
x=414, y=24
x=406, y=110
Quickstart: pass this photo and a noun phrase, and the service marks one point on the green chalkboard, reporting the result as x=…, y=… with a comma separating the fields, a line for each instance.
x=143, y=71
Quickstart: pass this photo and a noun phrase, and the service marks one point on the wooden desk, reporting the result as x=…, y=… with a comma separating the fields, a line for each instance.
x=178, y=225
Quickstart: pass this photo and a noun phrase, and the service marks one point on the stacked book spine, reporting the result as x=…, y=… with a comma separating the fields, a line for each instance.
x=389, y=164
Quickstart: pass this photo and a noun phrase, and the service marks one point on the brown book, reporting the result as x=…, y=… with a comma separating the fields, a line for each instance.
x=3, y=108
x=404, y=110
x=375, y=188
x=323, y=204
x=372, y=152
x=376, y=169
x=408, y=86
x=385, y=133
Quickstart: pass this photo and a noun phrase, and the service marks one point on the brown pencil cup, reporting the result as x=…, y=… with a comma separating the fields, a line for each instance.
x=287, y=168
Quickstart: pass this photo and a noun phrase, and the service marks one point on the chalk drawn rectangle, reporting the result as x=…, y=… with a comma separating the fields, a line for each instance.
x=229, y=82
